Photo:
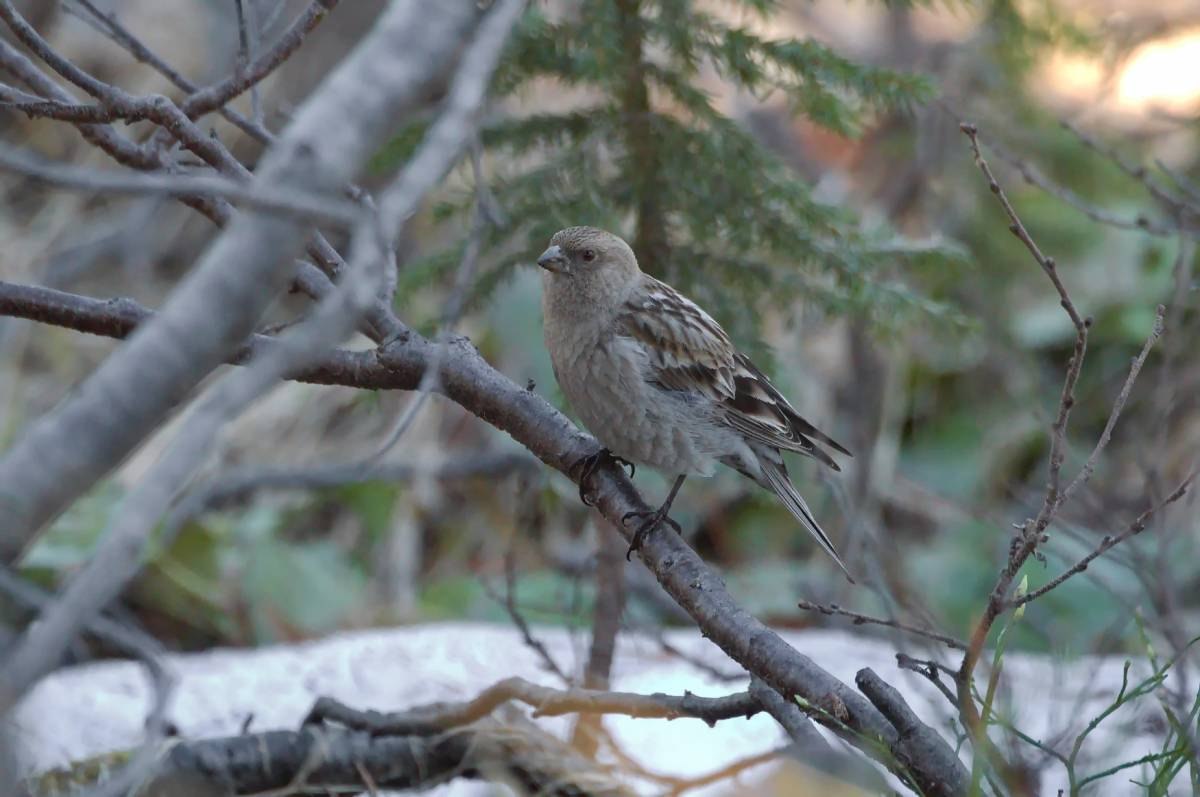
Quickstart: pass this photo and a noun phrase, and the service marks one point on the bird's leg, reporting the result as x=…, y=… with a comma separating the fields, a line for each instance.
x=592, y=463
x=654, y=518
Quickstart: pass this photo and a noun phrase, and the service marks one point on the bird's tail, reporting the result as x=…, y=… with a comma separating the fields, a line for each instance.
x=775, y=478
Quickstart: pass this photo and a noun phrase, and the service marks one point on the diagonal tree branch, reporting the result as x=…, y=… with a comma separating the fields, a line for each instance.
x=467, y=379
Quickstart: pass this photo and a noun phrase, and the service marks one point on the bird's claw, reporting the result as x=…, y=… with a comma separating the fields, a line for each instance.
x=592, y=463
x=653, y=519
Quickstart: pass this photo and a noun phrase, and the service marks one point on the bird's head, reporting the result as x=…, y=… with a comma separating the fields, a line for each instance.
x=587, y=260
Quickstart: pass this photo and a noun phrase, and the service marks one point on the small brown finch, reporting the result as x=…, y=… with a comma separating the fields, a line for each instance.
x=658, y=382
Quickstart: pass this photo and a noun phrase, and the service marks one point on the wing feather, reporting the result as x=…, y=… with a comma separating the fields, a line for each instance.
x=688, y=351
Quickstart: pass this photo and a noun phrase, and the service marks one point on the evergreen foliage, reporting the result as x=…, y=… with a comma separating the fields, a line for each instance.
x=645, y=151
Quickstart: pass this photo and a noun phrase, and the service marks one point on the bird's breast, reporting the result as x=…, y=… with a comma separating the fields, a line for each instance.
x=604, y=378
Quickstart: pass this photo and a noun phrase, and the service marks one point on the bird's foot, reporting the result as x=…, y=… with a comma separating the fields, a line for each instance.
x=593, y=462
x=650, y=521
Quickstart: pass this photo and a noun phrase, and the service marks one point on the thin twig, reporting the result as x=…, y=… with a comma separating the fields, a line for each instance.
x=1089, y=466
x=1031, y=531
x=608, y=605
x=211, y=98
x=248, y=35
x=932, y=671
x=111, y=26
x=485, y=214
x=1017, y=227
x=509, y=601
x=731, y=770
x=1107, y=542
x=1180, y=208
x=860, y=619
x=716, y=673
x=1099, y=215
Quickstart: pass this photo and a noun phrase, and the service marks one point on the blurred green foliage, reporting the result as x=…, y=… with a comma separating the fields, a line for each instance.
x=658, y=172
x=250, y=576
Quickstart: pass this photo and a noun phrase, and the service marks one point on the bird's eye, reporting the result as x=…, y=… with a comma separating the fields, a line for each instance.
x=589, y=255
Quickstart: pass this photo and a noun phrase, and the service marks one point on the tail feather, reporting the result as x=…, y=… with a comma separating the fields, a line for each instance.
x=775, y=478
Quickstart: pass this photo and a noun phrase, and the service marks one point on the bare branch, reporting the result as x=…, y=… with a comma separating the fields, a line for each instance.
x=63, y=454
x=170, y=118
x=36, y=107
x=310, y=207
x=922, y=739
x=148, y=158
x=450, y=316
x=103, y=136
x=509, y=601
x=213, y=97
x=546, y=702
x=26, y=34
x=932, y=671
x=809, y=746
x=200, y=102
x=1031, y=533
x=860, y=619
x=1184, y=212
x=1134, y=528
x=1032, y=530
x=1089, y=467
x=250, y=248
x=112, y=27
x=1099, y=215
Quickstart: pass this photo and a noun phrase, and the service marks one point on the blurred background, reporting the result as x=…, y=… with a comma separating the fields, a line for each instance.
x=797, y=168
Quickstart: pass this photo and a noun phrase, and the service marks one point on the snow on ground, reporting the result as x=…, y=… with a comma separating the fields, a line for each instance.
x=86, y=710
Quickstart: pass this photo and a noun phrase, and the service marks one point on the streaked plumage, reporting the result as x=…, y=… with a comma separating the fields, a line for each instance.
x=657, y=380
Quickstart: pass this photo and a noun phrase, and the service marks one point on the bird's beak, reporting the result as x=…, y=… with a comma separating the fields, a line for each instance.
x=553, y=260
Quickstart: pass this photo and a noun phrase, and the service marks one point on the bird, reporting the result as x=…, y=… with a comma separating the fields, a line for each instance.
x=658, y=382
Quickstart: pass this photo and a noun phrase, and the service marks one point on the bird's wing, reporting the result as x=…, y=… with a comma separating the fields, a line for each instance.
x=688, y=351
